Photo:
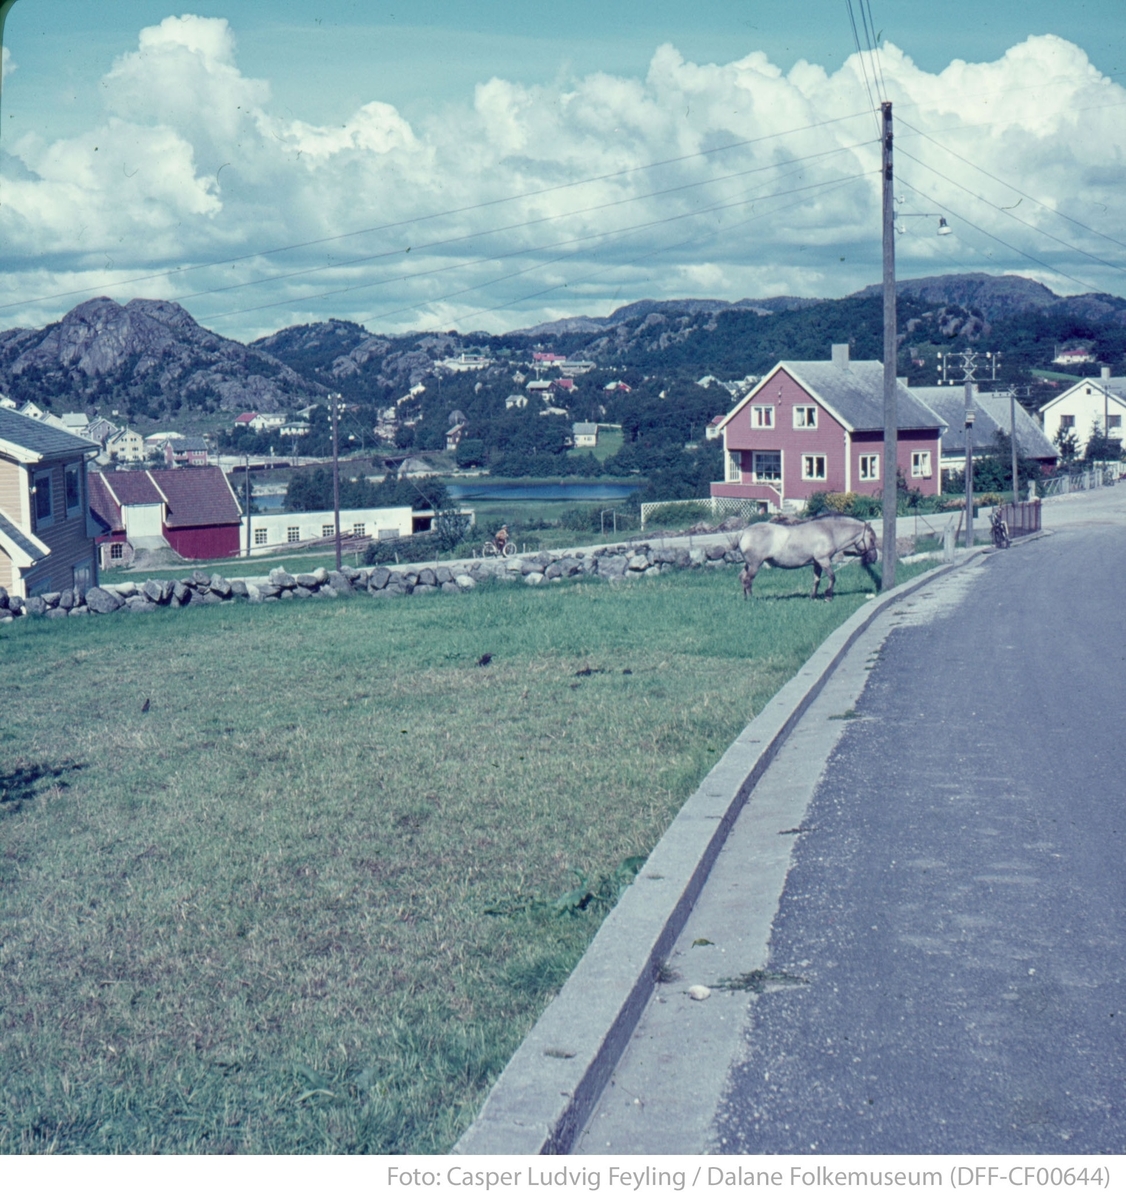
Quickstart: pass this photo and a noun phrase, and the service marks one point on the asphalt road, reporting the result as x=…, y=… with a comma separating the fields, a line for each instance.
x=924, y=897
x=958, y=907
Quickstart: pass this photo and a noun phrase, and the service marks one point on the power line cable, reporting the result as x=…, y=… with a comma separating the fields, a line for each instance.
x=1001, y=241
x=1013, y=216
x=1012, y=187
x=421, y=274
x=830, y=187
x=519, y=225
x=863, y=66
x=442, y=214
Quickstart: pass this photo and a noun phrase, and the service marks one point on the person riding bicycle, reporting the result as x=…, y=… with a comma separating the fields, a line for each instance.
x=501, y=538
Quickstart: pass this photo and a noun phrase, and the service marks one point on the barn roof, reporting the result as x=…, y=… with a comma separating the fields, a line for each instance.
x=195, y=497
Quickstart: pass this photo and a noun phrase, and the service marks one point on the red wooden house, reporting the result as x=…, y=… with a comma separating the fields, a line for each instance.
x=195, y=512
x=818, y=427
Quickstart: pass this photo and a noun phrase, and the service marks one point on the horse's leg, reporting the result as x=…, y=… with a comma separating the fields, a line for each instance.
x=816, y=579
x=747, y=579
x=832, y=579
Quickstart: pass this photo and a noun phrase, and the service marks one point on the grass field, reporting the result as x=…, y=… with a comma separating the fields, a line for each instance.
x=287, y=878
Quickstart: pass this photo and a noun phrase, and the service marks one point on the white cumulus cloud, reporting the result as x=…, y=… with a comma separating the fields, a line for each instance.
x=528, y=202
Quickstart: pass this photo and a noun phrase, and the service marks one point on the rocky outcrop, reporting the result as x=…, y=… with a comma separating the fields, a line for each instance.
x=146, y=347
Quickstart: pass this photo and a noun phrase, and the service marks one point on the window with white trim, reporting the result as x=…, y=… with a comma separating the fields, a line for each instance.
x=762, y=416
x=805, y=416
x=869, y=466
x=359, y=529
x=734, y=468
x=293, y=533
x=920, y=464
x=813, y=466
x=44, y=510
x=767, y=466
x=72, y=488
x=328, y=530
x=261, y=537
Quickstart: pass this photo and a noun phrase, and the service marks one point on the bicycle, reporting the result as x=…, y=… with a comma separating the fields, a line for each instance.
x=492, y=549
x=1000, y=531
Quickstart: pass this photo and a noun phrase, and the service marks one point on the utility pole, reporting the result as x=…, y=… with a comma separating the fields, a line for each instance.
x=971, y=389
x=1013, y=445
x=334, y=400
x=248, y=504
x=891, y=357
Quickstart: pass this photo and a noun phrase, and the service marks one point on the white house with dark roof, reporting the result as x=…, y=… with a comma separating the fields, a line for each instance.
x=46, y=534
x=819, y=427
x=1091, y=401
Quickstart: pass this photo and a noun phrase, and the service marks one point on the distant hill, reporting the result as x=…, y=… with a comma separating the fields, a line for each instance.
x=147, y=356
x=151, y=359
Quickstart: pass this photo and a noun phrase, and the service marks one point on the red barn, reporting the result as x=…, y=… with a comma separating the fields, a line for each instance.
x=819, y=427
x=195, y=512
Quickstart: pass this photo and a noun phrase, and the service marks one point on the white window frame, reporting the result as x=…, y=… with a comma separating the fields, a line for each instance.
x=41, y=482
x=293, y=533
x=734, y=468
x=920, y=464
x=328, y=531
x=805, y=416
x=116, y=551
x=261, y=537
x=762, y=416
x=73, y=470
x=771, y=479
x=809, y=467
x=1067, y=420
x=359, y=529
x=869, y=463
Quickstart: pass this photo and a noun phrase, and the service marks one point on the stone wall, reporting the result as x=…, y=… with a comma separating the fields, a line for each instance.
x=610, y=563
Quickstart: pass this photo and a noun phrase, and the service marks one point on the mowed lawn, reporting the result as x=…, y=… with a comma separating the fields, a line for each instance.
x=306, y=901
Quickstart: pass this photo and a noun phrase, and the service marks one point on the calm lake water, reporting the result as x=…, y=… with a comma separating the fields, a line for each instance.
x=492, y=489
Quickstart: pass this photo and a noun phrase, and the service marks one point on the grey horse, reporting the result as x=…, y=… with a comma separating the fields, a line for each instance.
x=798, y=544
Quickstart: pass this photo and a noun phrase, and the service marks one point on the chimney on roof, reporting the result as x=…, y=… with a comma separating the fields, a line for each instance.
x=840, y=356
x=1105, y=372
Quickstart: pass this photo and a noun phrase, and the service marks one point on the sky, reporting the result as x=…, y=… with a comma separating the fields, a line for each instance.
x=494, y=165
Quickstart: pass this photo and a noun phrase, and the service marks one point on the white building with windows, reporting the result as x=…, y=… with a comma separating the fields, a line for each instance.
x=271, y=531
x=1095, y=401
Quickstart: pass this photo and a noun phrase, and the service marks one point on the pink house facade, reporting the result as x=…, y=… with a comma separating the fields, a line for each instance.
x=818, y=427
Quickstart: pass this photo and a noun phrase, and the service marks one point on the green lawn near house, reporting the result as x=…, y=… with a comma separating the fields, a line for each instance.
x=308, y=902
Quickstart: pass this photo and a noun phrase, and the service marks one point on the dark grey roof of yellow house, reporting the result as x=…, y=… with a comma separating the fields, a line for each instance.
x=39, y=438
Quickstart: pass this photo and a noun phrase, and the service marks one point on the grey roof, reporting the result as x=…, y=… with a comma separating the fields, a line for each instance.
x=856, y=394
x=991, y=413
x=20, y=538
x=41, y=439
x=182, y=444
x=584, y=427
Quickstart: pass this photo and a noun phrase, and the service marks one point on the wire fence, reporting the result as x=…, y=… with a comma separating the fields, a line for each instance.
x=716, y=507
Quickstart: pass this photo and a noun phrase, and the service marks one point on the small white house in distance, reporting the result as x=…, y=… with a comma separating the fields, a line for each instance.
x=269, y=531
x=585, y=433
x=1090, y=401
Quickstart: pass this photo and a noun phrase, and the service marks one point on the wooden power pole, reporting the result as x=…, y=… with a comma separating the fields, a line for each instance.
x=891, y=357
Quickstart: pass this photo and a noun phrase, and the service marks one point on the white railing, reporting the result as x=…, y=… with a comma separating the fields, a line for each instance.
x=1064, y=485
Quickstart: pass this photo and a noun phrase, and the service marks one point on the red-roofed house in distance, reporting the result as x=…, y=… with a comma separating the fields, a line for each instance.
x=194, y=512
x=819, y=427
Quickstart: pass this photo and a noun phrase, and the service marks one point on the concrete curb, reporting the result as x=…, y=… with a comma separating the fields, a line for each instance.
x=546, y=1093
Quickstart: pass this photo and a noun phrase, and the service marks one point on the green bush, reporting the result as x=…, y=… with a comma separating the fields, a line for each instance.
x=679, y=514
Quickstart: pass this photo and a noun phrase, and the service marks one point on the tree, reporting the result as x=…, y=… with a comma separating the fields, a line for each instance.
x=1101, y=447
x=1067, y=444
